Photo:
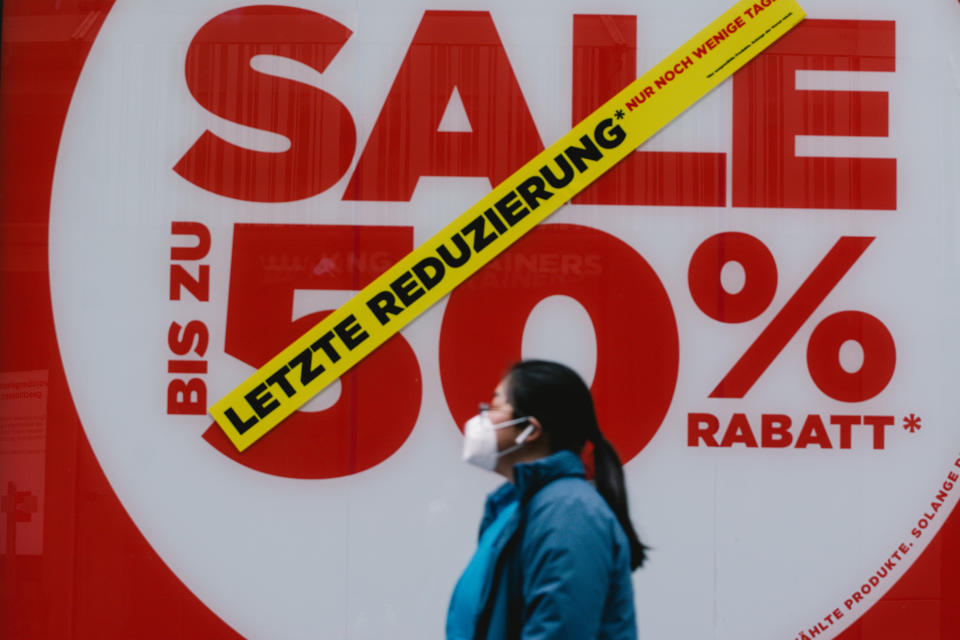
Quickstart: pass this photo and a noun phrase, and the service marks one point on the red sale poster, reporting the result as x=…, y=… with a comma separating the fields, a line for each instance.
x=763, y=299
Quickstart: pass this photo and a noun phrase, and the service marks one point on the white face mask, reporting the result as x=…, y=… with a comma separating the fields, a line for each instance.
x=480, y=440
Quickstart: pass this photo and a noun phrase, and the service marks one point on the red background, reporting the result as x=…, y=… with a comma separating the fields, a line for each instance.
x=98, y=577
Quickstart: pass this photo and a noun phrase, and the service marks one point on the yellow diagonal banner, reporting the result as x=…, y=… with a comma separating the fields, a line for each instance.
x=511, y=209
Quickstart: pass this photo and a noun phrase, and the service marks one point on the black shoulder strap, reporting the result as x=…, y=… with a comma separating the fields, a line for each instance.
x=506, y=562
x=485, y=615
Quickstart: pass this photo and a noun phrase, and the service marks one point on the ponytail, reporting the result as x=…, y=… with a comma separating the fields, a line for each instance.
x=609, y=480
x=562, y=403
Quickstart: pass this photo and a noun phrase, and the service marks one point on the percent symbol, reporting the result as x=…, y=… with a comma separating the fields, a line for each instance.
x=759, y=287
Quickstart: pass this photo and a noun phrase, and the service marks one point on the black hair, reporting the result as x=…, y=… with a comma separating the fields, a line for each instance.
x=559, y=399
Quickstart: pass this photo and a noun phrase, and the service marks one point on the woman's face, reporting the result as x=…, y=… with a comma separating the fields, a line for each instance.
x=500, y=410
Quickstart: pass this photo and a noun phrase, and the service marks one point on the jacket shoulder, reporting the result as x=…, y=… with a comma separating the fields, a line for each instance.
x=567, y=495
x=571, y=511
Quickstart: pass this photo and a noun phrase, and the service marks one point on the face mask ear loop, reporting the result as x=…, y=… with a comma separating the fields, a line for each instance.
x=509, y=423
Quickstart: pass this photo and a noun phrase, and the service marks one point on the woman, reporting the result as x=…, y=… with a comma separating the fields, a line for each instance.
x=555, y=554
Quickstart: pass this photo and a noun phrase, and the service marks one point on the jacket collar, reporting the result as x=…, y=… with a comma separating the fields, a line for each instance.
x=529, y=477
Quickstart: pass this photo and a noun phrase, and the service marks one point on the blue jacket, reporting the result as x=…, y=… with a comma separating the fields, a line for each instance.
x=562, y=568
